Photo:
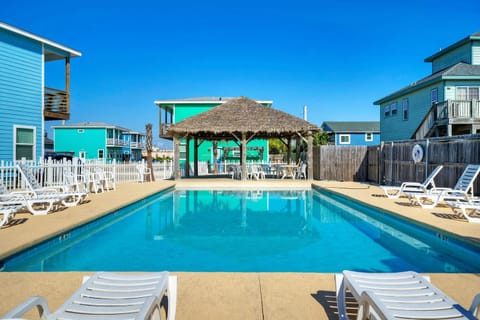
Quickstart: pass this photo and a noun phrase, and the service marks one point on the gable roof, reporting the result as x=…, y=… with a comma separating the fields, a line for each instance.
x=459, y=70
x=90, y=125
x=351, y=126
x=241, y=115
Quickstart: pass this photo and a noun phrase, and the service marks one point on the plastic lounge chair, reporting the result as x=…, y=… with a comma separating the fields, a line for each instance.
x=468, y=208
x=105, y=179
x=36, y=205
x=7, y=212
x=401, y=295
x=463, y=189
x=111, y=296
x=412, y=187
x=143, y=173
x=68, y=198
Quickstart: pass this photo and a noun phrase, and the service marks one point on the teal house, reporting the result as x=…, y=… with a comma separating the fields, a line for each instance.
x=26, y=100
x=352, y=133
x=176, y=110
x=444, y=103
x=99, y=141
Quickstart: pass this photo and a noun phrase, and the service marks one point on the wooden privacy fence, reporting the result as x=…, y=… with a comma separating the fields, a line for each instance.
x=342, y=163
x=392, y=163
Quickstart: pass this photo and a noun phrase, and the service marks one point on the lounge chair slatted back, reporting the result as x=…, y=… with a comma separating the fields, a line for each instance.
x=466, y=180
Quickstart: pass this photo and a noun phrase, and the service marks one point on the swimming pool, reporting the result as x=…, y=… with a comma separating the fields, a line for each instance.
x=249, y=230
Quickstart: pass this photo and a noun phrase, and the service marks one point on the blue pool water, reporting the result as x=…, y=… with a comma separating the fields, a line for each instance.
x=234, y=231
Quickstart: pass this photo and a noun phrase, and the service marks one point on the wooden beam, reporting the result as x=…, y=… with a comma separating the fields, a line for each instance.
x=243, y=153
x=67, y=82
x=195, y=156
x=187, y=156
x=310, y=155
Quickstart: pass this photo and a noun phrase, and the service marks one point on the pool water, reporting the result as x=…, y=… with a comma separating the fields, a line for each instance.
x=249, y=230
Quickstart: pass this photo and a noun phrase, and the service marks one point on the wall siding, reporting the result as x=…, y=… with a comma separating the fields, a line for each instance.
x=89, y=141
x=461, y=54
x=358, y=139
x=419, y=103
x=21, y=82
x=476, y=53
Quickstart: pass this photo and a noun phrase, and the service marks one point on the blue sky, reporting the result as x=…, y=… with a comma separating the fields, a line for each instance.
x=336, y=57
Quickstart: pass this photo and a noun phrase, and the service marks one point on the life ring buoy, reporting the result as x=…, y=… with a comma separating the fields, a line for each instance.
x=417, y=153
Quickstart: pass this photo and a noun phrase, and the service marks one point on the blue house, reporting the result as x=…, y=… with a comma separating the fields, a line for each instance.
x=25, y=100
x=355, y=133
x=444, y=103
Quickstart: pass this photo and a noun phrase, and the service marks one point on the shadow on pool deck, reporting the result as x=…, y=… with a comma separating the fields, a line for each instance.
x=219, y=295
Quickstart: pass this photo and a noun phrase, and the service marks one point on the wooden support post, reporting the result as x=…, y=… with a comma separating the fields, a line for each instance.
x=67, y=83
x=215, y=154
x=176, y=158
x=187, y=156
x=289, y=150
x=195, y=157
x=297, y=149
x=310, y=155
x=243, y=152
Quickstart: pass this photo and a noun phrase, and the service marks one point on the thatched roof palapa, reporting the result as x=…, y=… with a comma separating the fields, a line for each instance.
x=241, y=115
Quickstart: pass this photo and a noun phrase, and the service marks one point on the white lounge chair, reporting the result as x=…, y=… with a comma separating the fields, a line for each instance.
x=143, y=173
x=400, y=295
x=462, y=189
x=412, y=187
x=111, y=296
x=468, y=208
x=36, y=205
x=68, y=198
x=7, y=212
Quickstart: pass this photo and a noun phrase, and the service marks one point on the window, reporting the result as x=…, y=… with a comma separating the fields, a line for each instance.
x=387, y=111
x=472, y=93
x=80, y=131
x=344, y=139
x=100, y=153
x=393, y=108
x=467, y=93
x=183, y=151
x=461, y=93
x=368, y=136
x=405, y=109
x=434, y=95
x=24, y=143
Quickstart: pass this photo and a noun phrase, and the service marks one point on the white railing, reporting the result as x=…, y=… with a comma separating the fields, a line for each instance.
x=116, y=142
x=53, y=173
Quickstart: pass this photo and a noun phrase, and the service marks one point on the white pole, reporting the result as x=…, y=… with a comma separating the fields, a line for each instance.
x=305, y=112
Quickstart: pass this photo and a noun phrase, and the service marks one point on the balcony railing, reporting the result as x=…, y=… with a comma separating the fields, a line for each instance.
x=56, y=105
x=458, y=109
x=137, y=145
x=112, y=142
x=164, y=128
x=448, y=112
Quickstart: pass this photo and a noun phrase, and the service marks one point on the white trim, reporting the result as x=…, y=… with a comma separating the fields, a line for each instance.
x=371, y=136
x=27, y=34
x=344, y=135
x=15, y=127
x=43, y=103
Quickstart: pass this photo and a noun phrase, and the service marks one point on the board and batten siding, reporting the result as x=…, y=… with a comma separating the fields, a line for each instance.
x=460, y=54
x=21, y=91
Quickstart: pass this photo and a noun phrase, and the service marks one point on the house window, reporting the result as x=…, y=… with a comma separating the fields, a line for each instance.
x=473, y=93
x=80, y=131
x=24, y=143
x=405, y=109
x=344, y=139
x=368, y=136
x=100, y=153
x=434, y=95
x=393, y=108
x=387, y=111
x=467, y=93
x=183, y=151
x=461, y=93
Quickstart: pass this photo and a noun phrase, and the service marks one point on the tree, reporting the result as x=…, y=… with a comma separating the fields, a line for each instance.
x=149, y=146
x=276, y=146
x=320, y=138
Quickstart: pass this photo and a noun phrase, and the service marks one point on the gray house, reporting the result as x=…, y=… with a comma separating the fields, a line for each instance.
x=444, y=103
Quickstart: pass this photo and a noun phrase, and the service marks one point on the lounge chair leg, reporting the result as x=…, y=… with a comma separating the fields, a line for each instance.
x=172, y=297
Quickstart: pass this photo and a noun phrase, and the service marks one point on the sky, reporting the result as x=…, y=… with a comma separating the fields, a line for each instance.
x=336, y=57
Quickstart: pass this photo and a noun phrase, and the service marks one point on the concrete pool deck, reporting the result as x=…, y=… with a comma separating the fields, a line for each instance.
x=221, y=295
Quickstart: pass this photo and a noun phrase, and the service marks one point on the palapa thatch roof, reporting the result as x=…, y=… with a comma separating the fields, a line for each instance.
x=242, y=115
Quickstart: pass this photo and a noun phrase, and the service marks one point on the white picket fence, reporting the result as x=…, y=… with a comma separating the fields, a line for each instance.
x=52, y=173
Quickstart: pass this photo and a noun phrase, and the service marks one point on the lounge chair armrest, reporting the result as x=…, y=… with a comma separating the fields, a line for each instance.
x=36, y=301
x=475, y=307
x=411, y=184
x=437, y=190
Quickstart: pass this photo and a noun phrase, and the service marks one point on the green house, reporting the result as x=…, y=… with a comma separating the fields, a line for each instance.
x=444, y=103
x=99, y=141
x=176, y=110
